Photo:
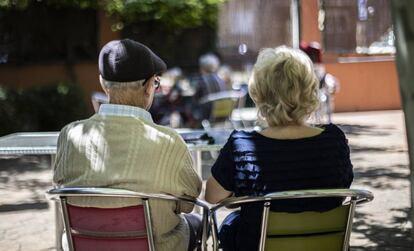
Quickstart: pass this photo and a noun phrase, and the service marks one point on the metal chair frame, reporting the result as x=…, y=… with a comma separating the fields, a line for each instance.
x=61, y=194
x=355, y=196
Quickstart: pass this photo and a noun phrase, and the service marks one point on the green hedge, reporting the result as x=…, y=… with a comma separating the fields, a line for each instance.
x=40, y=108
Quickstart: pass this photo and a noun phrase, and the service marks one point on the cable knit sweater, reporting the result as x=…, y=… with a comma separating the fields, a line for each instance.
x=130, y=152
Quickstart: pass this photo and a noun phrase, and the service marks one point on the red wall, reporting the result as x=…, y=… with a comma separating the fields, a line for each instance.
x=366, y=86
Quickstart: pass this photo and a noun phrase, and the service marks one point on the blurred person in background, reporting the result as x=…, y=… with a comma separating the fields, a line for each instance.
x=206, y=82
x=169, y=103
x=328, y=84
x=225, y=73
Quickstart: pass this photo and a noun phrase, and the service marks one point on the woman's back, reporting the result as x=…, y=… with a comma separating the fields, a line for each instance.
x=253, y=164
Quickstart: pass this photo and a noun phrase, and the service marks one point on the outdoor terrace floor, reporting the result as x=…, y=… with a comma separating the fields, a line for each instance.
x=378, y=151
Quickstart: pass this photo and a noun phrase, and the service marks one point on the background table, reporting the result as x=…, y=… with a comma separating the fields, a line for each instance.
x=29, y=143
x=45, y=143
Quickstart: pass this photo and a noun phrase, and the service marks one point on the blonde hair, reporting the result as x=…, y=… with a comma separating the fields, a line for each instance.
x=284, y=86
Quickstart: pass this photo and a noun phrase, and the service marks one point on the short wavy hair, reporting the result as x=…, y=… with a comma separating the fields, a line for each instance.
x=209, y=62
x=284, y=86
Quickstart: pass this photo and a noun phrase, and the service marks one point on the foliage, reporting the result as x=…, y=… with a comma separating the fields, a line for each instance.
x=43, y=33
x=175, y=14
x=23, y=4
x=178, y=14
x=178, y=30
x=40, y=108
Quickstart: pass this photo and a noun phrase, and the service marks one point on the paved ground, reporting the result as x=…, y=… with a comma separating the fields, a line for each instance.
x=380, y=158
x=379, y=155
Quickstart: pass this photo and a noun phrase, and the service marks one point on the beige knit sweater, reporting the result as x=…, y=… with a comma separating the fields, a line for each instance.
x=133, y=154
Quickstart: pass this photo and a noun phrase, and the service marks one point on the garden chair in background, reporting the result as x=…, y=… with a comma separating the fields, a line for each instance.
x=310, y=231
x=221, y=105
x=104, y=229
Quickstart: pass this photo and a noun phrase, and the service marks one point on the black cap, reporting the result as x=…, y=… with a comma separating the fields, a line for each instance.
x=127, y=60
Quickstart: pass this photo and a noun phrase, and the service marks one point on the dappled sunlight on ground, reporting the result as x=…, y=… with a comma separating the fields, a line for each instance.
x=379, y=154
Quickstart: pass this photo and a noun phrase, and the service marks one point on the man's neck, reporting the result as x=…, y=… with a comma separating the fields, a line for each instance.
x=134, y=104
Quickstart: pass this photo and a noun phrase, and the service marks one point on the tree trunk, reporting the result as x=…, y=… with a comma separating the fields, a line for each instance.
x=403, y=18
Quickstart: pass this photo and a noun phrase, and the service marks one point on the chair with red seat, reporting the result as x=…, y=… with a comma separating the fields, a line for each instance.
x=109, y=229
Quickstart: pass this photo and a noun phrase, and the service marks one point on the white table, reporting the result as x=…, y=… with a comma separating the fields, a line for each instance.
x=245, y=117
x=220, y=137
x=45, y=143
x=29, y=143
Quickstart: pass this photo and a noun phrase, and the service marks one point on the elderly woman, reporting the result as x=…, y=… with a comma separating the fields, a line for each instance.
x=288, y=155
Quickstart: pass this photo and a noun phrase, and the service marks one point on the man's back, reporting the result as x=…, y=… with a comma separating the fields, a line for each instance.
x=208, y=84
x=130, y=153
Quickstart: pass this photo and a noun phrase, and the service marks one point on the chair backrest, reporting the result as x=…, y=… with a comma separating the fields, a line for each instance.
x=307, y=230
x=105, y=229
x=221, y=105
x=108, y=229
x=221, y=109
x=310, y=231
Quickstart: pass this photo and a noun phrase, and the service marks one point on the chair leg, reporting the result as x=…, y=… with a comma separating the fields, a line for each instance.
x=214, y=232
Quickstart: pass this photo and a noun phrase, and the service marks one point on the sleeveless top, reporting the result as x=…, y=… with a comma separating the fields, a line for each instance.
x=255, y=165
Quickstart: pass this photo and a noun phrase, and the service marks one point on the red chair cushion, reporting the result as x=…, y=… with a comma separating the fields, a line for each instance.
x=98, y=244
x=106, y=221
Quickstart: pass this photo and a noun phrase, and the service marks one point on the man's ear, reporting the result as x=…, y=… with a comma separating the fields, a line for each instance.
x=148, y=86
x=101, y=81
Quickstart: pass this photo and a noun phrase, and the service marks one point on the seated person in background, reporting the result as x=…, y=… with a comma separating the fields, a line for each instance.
x=121, y=147
x=170, y=100
x=207, y=82
x=225, y=73
x=328, y=84
x=287, y=155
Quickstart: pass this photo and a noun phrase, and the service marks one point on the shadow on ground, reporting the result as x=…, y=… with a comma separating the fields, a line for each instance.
x=394, y=236
x=24, y=179
x=383, y=177
x=355, y=130
x=21, y=164
x=24, y=206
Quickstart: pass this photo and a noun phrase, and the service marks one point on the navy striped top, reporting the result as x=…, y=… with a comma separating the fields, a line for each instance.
x=252, y=164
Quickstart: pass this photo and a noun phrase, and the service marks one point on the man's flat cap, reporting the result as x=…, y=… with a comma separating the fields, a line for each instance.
x=127, y=60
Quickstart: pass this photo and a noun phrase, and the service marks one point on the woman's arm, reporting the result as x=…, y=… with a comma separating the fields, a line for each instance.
x=215, y=192
x=220, y=185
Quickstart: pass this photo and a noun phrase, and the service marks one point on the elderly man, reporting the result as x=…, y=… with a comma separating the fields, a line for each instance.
x=121, y=147
x=206, y=82
x=209, y=81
